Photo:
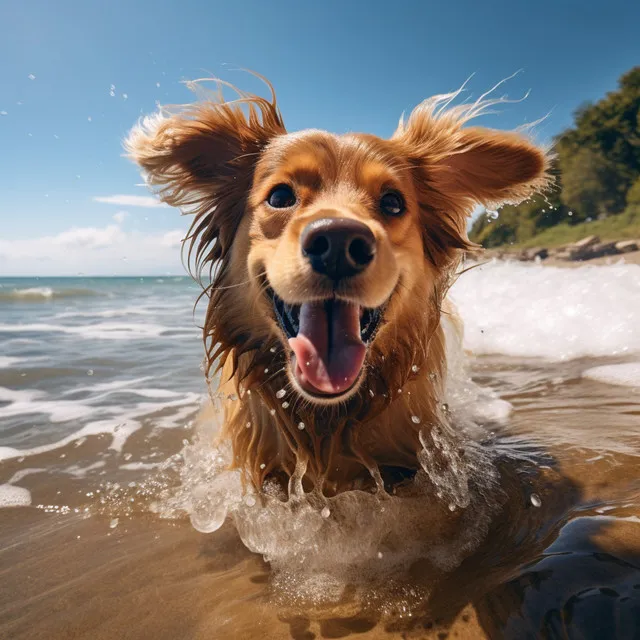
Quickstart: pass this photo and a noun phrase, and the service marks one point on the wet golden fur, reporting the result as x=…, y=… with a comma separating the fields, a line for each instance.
x=218, y=160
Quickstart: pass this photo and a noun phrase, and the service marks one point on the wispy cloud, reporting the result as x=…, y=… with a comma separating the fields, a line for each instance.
x=108, y=250
x=130, y=201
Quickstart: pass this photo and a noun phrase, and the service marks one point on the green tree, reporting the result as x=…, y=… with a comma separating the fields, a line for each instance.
x=598, y=160
x=591, y=185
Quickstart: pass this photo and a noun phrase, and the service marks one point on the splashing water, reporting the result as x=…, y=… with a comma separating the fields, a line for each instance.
x=317, y=544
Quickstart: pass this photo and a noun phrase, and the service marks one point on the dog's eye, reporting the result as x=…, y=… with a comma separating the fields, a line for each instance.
x=392, y=204
x=281, y=197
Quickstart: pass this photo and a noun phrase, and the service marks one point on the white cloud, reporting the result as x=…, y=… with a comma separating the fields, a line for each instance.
x=120, y=216
x=172, y=238
x=131, y=201
x=105, y=250
x=88, y=237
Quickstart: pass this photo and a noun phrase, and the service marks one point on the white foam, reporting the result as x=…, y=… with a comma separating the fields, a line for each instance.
x=531, y=310
x=29, y=401
x=8, y=361
x=11, y=496
x=101, y=330
x=120, y=422
x=627, y=374
x=107, y=386
x=469, y=402
x=34, y=292
x=106, y=313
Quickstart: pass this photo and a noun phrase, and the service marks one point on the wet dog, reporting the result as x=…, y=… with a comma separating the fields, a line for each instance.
x=326, y=261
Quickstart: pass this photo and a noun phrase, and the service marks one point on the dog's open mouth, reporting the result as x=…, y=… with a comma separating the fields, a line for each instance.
x=329, y=340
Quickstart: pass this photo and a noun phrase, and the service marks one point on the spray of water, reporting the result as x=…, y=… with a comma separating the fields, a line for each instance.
x=316, y=545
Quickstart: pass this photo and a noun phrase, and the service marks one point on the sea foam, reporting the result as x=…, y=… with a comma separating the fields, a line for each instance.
x=530, y=310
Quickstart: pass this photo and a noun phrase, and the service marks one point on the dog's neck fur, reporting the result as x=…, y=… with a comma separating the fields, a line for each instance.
x=377, y=431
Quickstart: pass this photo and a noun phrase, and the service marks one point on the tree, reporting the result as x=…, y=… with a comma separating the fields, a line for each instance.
x=598, y=160
x=591, y=185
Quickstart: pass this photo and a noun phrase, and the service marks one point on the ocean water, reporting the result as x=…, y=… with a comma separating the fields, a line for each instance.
x=81, y=356
x=103, y=474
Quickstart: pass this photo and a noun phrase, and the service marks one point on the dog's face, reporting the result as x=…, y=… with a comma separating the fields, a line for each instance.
x=335, y=238
x=339, y=246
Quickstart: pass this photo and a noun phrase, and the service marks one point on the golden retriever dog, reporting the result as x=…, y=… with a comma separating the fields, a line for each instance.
x=327, y=259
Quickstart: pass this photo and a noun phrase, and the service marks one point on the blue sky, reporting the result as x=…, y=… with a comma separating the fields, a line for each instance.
x=76, y=75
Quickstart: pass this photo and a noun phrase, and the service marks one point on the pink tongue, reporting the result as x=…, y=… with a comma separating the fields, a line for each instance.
x=329, y=351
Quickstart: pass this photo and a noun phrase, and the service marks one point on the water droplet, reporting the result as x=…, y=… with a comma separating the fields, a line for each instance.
x=89, y=118
x=273, y=349
x=308, y=364
x=414, y=368
x=248, y=425
x=272, y=412
x=452, y=507
x=3, y=113
x=445, y=407
x=263, y=465
x=112, y=90
x=114, y=523
x=399, y=390
x=250, y=501
x=371, y=393
x=326, y=512
x=285, y=405
x=415, y=419
x=90, y=372
x=535, y=500
x=281, y=394
x=301, y=426
x=379, y=555
x=31, y=76
x=128, y=456
x=124, y=96
x=158, y=85
x=266, y=370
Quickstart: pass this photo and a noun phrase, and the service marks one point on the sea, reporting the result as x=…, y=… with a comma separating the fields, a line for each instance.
x=101, y=381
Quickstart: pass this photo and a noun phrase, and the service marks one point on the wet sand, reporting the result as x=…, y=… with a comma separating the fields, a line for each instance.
x=91, y=558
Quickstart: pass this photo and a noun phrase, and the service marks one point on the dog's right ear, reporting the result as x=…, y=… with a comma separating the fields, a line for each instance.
x=202, y=159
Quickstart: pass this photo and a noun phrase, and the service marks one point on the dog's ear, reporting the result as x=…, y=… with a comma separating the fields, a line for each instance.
x=466, y=166
x=202, y=159
x=492, y=167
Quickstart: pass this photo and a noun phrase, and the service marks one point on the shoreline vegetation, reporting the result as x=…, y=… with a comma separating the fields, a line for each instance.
x=593, y=211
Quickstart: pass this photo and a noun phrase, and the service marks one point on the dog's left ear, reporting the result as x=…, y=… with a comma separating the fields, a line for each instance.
x=465, y=166
x=493, y=167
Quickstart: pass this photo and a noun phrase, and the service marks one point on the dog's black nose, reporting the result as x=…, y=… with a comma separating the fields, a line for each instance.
x=338, y=247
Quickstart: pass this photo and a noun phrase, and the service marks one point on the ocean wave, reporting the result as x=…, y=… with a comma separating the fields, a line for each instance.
x=626, y=374
x=117, y=420
x=100, y=330
x=44, y=294
x=555, y=313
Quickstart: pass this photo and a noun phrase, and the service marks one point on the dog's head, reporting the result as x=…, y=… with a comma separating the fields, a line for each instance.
x=333, y=251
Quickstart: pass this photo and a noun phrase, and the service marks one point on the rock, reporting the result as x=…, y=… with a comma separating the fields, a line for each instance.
x=625, y=246
x=538, y=252
x=602, y=249
x=582, y=249
x=585, y=242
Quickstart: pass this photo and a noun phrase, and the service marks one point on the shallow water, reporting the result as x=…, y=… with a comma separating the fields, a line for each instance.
x=100, y=386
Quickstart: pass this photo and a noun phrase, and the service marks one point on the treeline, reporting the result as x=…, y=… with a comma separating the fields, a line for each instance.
x=598, y=175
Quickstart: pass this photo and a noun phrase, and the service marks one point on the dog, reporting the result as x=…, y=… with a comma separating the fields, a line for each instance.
x=326, y=260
